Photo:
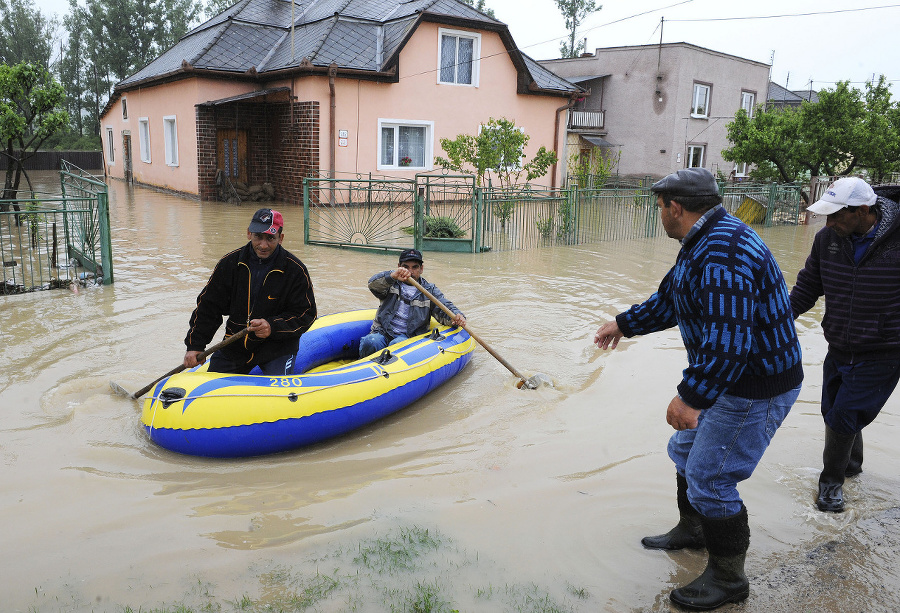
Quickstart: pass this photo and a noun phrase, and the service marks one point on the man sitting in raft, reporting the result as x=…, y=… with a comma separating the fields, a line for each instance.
x=262, y=286
x=404, y=311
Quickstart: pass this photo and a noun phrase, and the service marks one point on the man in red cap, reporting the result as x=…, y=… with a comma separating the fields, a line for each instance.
x=262, y=286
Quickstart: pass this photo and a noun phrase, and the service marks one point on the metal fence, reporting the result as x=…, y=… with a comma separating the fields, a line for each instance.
x=363, y=213
x=399, y=213
x=525, y=218
x=390, y=214
x=769, y=204
x=49, y=241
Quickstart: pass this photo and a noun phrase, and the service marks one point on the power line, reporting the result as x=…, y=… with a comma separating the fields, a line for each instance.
x=856, y=10
x=550, y=40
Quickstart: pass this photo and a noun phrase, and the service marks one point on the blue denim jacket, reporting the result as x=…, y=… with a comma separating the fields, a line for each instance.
x=421, y=309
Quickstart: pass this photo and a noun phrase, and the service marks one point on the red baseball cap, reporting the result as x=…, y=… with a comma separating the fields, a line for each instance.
x=266, y=221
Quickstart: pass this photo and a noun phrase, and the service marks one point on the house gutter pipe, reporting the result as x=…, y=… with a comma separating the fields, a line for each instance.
x=332, y=71
x=564, y=107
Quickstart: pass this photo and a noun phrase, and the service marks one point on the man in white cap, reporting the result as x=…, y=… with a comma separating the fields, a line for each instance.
x=855, y=264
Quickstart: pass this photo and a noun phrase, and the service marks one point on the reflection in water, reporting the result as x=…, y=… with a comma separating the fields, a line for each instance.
x=551, y=488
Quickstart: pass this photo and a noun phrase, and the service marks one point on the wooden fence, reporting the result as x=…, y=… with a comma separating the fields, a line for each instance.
x=51, y=160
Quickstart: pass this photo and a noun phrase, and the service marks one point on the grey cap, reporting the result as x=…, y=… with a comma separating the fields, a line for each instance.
x=688, y=182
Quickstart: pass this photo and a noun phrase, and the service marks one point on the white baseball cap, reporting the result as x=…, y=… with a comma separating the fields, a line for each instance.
x=849, y=191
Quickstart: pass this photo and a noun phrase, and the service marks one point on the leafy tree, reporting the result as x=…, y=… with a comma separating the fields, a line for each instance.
x=881, y=132
x=592, y=169
x=71, y=68
x=481, y=6
x=574, y=12
x=109, y=40
x=31, y=110
x=26, y=35
x=214, y=7
x=844, y=132
x=498, y=150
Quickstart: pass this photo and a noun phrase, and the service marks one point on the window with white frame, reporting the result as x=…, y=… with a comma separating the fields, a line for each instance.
x=170, y=132
x=740, y=170
x=144, y=137
x=458, y=55
x=695, y=156
x=748, y=100
x=405, y=144
x=700, y=104
x=110, y=147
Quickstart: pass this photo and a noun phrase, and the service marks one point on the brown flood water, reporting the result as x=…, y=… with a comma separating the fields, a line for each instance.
x=532, y=500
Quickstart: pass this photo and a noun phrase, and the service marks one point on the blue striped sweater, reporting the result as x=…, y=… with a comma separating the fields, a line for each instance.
x=728, y=297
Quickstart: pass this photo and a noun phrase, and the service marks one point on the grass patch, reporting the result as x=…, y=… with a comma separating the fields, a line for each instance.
x=407, y=570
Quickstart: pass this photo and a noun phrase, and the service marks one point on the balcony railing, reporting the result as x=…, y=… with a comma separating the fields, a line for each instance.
x=585, y=120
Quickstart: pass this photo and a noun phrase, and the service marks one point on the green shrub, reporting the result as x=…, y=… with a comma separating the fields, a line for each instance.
x=442, y=227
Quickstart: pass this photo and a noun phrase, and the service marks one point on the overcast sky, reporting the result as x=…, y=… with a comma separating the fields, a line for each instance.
x=823, y=41
x=819, y=44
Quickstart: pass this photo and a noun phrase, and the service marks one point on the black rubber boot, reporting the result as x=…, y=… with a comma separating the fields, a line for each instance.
x=723, y=581
x=835, y=460
x=854, y=466
x=687, y=534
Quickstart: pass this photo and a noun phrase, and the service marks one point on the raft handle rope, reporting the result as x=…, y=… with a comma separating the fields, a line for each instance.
x=378, y=372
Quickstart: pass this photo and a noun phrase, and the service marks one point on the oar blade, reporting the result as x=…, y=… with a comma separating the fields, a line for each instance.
x=118, y=389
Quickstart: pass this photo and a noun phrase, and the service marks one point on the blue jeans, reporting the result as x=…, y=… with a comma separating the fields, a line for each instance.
x=375, y=342
x=279, y=367
x=725, y=448
x=854, y=394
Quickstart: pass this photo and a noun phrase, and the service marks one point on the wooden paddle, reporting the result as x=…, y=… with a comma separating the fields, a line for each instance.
x=528, y=383
x=121, y=390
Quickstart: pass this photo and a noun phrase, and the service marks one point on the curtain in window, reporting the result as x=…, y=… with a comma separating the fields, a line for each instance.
x=448, y=59
x=387, y=147
x=457, y=55
x=412, y=144
x=464, y=60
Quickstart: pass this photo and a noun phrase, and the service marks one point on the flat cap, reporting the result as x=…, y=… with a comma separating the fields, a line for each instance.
x=688, y=182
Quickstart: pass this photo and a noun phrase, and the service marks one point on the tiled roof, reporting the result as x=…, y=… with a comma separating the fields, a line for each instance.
x=810, y=95
x=780, y=95
x=545, y=79
x=363, y=35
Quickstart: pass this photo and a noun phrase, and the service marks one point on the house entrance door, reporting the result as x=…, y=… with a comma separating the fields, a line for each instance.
x=231, y=147
x=126, y=157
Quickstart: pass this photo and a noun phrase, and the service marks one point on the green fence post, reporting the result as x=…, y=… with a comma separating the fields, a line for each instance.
x=574, y=199
x=306, y=209
x=105, y=237
x=418, y=217
x=477, y=205
x=770, y=210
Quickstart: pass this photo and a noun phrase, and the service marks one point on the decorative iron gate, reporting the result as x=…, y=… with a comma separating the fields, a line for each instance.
x=45, y=243
x=391, y=214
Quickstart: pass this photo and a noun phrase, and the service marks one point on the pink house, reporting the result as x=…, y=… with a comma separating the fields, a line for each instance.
x=354, y=87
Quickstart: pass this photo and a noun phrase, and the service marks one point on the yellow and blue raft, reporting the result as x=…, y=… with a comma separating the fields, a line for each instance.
x=333, y=392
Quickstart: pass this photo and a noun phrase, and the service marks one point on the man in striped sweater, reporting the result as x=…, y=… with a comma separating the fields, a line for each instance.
x=728, y=297
x=855, y=264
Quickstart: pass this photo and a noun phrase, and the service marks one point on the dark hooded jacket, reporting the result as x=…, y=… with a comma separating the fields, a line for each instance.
x=862, y=300
x=285, y=299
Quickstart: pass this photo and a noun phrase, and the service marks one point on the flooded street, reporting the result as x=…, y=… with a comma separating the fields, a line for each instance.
x=489, y=497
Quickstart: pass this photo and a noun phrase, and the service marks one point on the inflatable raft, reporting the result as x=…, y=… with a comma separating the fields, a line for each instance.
x=333, y=392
